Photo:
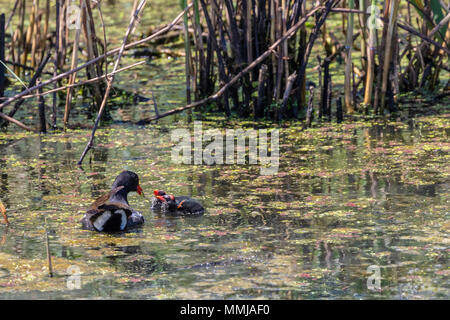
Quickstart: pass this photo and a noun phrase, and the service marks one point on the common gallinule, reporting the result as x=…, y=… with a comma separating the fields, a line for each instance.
x=181, y=205
x=111, y=212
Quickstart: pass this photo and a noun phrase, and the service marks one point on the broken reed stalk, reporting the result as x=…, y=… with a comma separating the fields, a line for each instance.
x=55, y=63
x=309, y=110
x=111, y=79
x=2, y=54
x=348, y=61
x=363, y=5
x=16, y=122
x=319, y=71
x=3, y=211
x=325, y=87
x=339, y=111
x=393, y=10
x=21, y=40
x=371, y=47
x=103, y=56
x=41, y=108
x=258, y=110
x=73, y=75
x=290, y=83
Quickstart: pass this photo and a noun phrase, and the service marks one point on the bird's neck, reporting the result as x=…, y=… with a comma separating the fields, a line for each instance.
x=119, y=196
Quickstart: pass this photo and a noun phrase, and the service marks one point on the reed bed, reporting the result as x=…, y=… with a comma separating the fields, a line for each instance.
x=272, y=59
x=397, y=55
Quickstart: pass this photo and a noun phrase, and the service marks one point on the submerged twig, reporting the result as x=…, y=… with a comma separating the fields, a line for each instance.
x=47, y=248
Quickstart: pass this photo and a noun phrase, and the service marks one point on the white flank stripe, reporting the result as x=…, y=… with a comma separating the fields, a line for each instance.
x=100, y=222
x=123, y=224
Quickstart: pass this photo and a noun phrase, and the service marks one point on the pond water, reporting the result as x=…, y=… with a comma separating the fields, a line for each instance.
x=348, y=199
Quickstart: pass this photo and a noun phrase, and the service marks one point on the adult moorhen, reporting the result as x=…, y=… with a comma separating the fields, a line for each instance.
x=182, y=205
x=111, y=212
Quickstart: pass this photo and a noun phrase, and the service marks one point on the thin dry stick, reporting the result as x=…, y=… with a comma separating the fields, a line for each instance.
x=111, y=79
x=371, y=46
x=109, y=53
x=73, y=76
x=82, y=83
x=55, y=62
x=252, y=65
x=12, y=14
x=16, y=122
x=349, y=62
x=388, y=50
x=32, y=82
